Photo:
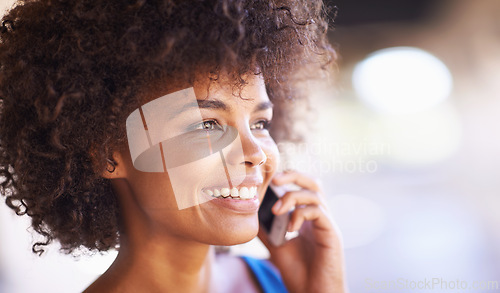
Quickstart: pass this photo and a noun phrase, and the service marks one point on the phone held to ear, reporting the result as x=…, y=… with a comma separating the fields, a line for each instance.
x=274, y=226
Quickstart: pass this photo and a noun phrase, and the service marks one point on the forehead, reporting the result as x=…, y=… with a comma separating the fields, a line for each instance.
x=231, y=91
x=206, y=86
x=172, y=99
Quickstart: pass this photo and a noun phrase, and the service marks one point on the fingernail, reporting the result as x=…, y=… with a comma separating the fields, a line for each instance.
x=277, y=206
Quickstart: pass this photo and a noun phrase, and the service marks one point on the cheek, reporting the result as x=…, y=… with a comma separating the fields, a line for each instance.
x=153, y=191
x=181, y=187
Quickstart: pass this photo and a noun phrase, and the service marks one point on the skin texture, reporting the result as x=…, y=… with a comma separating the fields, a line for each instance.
x=153, y=226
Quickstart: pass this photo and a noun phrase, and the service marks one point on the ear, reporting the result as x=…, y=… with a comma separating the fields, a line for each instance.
x=115, y=167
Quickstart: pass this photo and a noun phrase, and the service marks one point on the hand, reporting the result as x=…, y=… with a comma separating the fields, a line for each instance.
x=313, y=261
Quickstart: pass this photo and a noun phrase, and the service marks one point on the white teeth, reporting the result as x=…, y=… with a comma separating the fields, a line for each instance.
x=243, y=193
x=225, y=192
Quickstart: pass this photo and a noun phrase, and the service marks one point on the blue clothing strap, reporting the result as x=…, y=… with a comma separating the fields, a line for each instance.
x=269, y=280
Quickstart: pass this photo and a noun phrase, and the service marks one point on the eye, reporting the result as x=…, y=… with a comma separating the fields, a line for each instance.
x=260, y=125
x=208, y=125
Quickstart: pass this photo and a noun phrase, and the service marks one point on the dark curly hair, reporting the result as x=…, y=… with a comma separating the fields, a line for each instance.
x=72, y=70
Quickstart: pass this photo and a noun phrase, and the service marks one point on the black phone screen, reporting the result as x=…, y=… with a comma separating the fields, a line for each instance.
x=266, y=216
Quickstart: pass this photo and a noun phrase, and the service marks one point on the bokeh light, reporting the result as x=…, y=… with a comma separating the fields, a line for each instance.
x=402, y=80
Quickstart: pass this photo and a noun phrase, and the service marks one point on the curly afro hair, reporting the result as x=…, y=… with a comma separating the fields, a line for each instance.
x=71, y=72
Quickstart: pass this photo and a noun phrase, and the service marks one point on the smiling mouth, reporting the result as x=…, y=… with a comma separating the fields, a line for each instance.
x=243, y=193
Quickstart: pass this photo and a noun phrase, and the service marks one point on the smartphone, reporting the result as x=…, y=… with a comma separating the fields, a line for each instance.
x=274, y=226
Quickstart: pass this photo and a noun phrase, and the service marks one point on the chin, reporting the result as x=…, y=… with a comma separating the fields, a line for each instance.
x=235, y=232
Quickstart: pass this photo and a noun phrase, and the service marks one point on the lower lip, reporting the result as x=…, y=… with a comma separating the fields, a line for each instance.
x=236, y=205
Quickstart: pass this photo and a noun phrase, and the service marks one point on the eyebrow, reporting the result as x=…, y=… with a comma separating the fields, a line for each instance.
x=264, y=106
x=219, y=105
x=212, y=104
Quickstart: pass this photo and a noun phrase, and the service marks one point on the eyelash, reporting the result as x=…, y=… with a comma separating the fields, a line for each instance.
x=265, y=124
x=200, y=126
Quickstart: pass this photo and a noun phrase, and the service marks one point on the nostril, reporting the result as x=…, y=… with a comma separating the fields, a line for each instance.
x=257, y=160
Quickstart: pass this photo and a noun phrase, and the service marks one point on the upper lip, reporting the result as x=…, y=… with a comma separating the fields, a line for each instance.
x=247, y=182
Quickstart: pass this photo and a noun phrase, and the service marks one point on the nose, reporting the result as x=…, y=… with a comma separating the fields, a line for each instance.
x=253, y=155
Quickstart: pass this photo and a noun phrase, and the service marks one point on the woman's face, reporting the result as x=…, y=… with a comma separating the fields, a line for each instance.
x=225, y=147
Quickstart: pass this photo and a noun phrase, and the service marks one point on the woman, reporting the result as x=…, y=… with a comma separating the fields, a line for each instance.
x=101, y=146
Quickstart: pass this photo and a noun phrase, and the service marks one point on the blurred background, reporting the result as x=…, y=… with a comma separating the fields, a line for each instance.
x=406, y=146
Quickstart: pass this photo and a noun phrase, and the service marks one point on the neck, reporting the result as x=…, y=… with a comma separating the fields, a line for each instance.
x=166, y=265
x=150, y=261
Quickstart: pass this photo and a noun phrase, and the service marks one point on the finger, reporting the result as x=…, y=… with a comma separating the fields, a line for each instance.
x=297, y=179
x=294, y=198
x=313, y=213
